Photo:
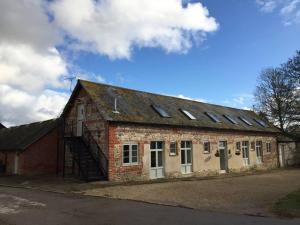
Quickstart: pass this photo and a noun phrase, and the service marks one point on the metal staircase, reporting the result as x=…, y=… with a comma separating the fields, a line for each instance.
x=89, y=158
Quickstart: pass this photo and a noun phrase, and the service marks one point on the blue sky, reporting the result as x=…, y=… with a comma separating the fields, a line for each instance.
x=209, y=50
x=223, y=69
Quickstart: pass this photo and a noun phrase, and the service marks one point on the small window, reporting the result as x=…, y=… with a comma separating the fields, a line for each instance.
x=268, y=147
x=246, y=121
x=252, y=145
x=130, y=154
x=238, y=146
x=160, y=111
x=206, y=146
x=188, y=114
x=173, y=148
x=231, y=119
x=213, y=117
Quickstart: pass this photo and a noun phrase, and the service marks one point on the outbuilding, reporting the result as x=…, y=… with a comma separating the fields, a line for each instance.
x=29, y=149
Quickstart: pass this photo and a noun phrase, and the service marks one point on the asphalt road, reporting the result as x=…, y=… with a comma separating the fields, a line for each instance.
x=30, y=207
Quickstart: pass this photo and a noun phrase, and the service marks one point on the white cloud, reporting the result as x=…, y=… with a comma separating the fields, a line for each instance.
x=242, y=101
x=289, y=10
x=114, y=28
x=32, y=68
x=189, y=98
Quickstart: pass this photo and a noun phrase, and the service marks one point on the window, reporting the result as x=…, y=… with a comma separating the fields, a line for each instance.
x=246, y=121
x=245, y=151
x=268, y=146
x=186, y=157
x=188, y=114
x=261, y=122
x=160, y=111
x=130, y=154
x=252, y=145
x=238, y=146
x=213, y=117
x=173, y=148
x=231, y=119
x=206, y=146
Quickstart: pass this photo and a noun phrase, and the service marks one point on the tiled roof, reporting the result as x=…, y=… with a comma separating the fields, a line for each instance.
x=20, y=137
x=137, y=107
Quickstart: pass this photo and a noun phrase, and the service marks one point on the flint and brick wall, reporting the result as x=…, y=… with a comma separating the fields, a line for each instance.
x=203, y=164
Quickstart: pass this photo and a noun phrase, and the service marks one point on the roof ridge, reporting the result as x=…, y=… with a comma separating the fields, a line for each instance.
x=27, y=124
x=157, y=94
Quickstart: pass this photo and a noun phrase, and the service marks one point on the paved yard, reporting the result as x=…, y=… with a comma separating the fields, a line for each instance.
x=253, y=194
x=28, y=207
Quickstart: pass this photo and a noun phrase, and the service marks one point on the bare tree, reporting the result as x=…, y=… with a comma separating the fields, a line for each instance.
x=276, y=97
x=292, y=67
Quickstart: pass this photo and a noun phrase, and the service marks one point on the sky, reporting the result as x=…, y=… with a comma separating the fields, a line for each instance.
x=207, y=50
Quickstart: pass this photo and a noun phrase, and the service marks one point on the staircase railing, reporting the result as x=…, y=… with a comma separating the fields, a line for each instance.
x=95, y=149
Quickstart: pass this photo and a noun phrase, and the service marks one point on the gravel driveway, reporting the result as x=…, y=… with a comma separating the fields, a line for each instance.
x=253, y=194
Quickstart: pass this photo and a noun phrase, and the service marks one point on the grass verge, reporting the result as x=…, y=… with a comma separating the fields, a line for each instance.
x=289, y=206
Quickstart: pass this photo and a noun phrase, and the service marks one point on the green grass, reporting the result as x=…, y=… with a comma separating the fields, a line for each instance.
x=289, y=206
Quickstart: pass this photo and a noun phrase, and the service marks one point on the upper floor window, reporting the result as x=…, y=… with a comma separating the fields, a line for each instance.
x=130, y=154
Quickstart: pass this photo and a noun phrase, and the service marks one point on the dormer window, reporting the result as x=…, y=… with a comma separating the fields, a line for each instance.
x=188, y=114
x=161, y=111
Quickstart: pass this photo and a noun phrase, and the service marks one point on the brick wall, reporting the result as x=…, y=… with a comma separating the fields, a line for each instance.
x=203, y=164
x=41, y=156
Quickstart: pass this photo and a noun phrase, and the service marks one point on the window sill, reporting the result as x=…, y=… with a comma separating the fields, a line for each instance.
x=206, y=153
x=130, y=164
x=172, y=154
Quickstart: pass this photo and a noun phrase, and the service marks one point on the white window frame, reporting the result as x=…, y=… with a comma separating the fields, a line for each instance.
x=130, y=155
x=171, y=152
x=204, y=151
x=245, y=147
x=268, y=147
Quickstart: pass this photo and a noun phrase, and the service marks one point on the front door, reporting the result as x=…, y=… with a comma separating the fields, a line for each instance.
x=281, y=155
x=245, y=151
x=223, y=156
x=80, y=119
x=156, y=154
x=186, y=157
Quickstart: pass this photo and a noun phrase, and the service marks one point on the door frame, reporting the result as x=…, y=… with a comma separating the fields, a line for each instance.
x=162, y=168
x=225, y=148
x=185, y=165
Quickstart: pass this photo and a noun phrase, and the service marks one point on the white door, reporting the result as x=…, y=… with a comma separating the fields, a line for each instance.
x=281, y=155
x=80, y=119
x=245, y=151
x=259, y=152
x=16, y=166
x=157, y=164
x=186, y=157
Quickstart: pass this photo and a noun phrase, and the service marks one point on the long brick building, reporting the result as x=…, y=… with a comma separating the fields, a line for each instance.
x=121, y=134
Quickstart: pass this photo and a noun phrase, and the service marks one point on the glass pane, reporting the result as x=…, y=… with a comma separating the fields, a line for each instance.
x=160, y=163
x=173, y=147
x=188, y=144
x=126, y=159
x=134, y=159
x=134, y=147
x=183, y=144
x=134, y=153
x=153, y=159
x=159, y=145
x=153, y=145
x=182, y=157
x=189, y=156
x=126, y=147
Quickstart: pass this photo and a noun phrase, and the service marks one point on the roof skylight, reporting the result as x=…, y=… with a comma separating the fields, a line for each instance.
x=213, y=117
x=161, y=111
x=231, y=119
x=188, y=114
x=246, y=121
x=261, y=122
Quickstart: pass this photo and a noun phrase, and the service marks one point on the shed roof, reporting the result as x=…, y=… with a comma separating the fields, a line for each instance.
x=136, y=107
x=20, y=137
